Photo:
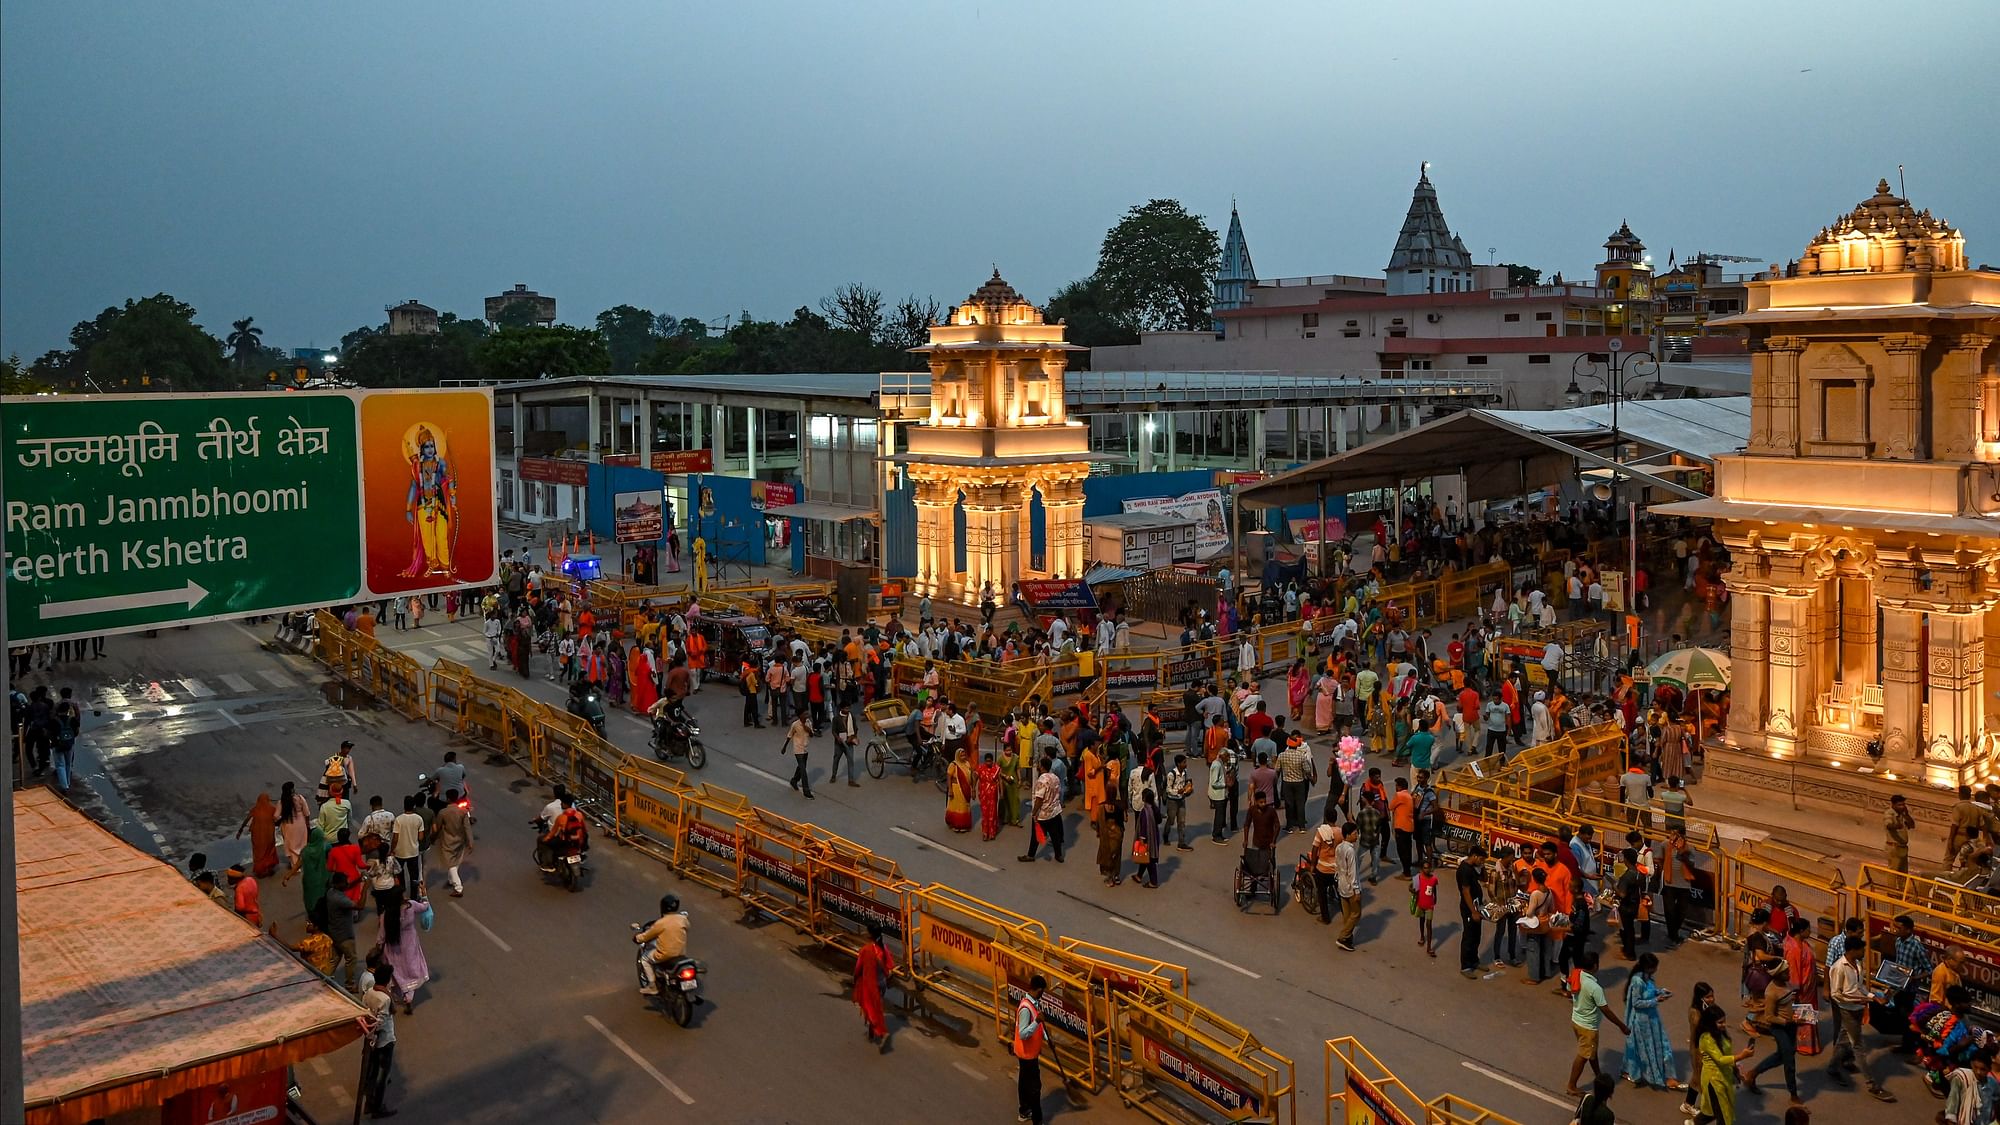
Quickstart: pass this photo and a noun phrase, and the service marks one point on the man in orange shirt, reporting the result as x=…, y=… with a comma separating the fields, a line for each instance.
x=1214, y=739
x=1403, y=820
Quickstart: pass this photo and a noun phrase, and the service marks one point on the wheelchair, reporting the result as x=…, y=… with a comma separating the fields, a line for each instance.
x=1257, y=874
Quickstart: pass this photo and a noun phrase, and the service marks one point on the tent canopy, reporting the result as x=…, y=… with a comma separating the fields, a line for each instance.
x=1503, y=453
x=135, y=987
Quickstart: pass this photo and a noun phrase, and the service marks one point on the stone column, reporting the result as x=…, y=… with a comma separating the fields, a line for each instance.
x=1957, y=390
x=986, y=542
x=1992, y=621
x=1782, y=387
x=933, y=534
x=1958, y=688
x=1857, y=632
x=1062, y=506
x=1822, y=650
x=1749, y=666
x=1790, y=700
x=1902, y=686
x=1903, y=386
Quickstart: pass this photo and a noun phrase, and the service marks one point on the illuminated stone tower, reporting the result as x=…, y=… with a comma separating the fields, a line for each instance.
x=997, y=434
x=1627, y=273
x=1863, y=517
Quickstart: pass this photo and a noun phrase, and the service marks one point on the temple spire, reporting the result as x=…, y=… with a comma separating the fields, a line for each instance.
x=1428, y=257
x=1235, y=275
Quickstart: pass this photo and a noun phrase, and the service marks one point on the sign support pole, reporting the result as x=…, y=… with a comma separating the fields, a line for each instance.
x=13, y=1074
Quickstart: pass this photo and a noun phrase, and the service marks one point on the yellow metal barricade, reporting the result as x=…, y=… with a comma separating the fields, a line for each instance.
x=776, y=864
x=649, y=812
x=447, y=693
x=854, y=888
x=1947, y=916
x=1816, y=887
x=1179, y=1061
x=402, y=684
x=483, y=712
x=711, y=849
x=1360, y=1089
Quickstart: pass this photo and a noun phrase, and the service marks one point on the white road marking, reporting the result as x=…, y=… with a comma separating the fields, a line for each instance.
x=116, y=700
x=463, y=654
x=276, y=678
x=229, y=718
x=766, y=774
x=1559, y=1103
x=1185, y=947
x=972, y=1071
x=945, y=848
x=481, y=927
x=198, y=689
x=237, y=683
x=294, y=770
x=667, y=1083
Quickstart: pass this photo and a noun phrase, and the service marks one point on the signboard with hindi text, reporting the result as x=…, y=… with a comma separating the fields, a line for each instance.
x=128, y=512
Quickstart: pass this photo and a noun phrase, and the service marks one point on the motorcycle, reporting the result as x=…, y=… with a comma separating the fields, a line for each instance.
x=563, y=860
x=675, y=735
x=431, y=795
x=679, y=982
x=587, y=703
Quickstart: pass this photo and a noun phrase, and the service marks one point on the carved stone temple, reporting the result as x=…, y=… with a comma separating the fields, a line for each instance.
x=997, y=437
x=1863, y=519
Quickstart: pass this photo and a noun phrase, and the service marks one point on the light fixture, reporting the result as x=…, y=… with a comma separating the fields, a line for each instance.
x=1572, y=394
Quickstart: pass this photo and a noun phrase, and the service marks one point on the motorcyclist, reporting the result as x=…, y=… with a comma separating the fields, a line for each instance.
x=669, y=713
x=669, y=935
x=567, y=832
x=586, y=703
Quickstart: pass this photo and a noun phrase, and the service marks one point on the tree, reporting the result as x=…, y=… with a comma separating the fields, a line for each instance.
x=516, y=354
x=152, y=343
x=909, y=326
x=856, y=308
x=516, y=314
x=14, y=380
x=1522, y=276
x=416, y=360
x=628, y=333
x=1082, y=308
x=1157, y=267
x=245, y=343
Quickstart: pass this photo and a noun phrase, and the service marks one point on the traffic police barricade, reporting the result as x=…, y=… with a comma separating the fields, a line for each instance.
x=648, y=811
x=359, y=668
x=1360, y=1089
x=1947, y=916
x=483, y=712
x=775, y=863
x=522, y=729
x=402, y=684
x=1812, y=882
x=594, y=775
x=447, y=700
x=711, y=840
x=1180, y=1062
x=852, y=889
x=1130, y=671
x=1450, y=1109
x=564, y=739
x=330, y=640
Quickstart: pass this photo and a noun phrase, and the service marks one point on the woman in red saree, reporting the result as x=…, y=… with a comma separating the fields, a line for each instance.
x=644, y=674
x=958, y=794
x=872, y=969
x=989, y=797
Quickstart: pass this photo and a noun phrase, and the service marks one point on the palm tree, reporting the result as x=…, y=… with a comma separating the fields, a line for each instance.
x=245, y=343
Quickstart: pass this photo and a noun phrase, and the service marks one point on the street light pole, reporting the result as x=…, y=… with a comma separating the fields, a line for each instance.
x=1618, y=370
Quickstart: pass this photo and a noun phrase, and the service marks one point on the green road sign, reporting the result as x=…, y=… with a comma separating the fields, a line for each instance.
x=128, y=512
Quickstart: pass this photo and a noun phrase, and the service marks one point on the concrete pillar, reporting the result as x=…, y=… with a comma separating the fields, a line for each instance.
x=1257, y=439
x=719, y=436
x=1790, y=699
x=750, y=442
x=1957, y=697
x=595, y=427
x=642, y=429
x=1170, y=428
x=1292, y=431
x=1857, y=633
x=1749, y=656
x=1340, y=431
x=1903, y=439
x=520, y=428
x=1146, y=435
x=1902, y=686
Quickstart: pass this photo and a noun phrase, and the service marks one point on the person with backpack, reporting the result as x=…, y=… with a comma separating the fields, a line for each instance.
x=67, y=719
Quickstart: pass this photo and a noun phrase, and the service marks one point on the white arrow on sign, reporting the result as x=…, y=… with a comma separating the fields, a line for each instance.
x=187, y=595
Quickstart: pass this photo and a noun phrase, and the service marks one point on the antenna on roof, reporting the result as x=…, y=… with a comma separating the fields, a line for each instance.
x=1900, y=189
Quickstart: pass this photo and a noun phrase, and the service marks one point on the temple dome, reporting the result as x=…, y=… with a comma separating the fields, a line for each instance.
x=1884, y=234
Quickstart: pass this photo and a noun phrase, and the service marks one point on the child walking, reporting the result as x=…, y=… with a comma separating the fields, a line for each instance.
x=1424, y=900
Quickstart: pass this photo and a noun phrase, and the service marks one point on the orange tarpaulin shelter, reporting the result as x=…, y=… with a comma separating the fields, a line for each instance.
x=135, y=987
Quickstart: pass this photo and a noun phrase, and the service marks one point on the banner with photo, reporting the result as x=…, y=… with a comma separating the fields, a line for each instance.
x=1206, y=509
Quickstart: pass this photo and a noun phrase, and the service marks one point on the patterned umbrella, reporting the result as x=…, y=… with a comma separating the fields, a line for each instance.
x=1695, y=669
